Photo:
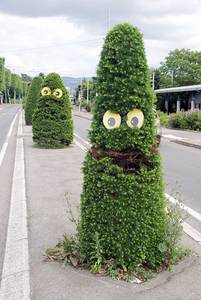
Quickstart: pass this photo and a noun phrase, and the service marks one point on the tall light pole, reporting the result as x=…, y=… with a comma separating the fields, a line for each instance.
x=109, y=19
x=153, y=80
x=87, y=91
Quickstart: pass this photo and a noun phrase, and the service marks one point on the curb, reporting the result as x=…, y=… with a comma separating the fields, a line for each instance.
x=179, y=129
x=187, y=144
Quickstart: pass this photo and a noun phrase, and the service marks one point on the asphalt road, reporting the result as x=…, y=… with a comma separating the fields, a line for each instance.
x=7, y=114
x=181, y=165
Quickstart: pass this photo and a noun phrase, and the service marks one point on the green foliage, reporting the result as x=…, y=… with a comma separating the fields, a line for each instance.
x=2, y=74
x=32, y=98
x=163, y=118
x=178, y=254
x=7, y=78
x=16, y=86
x=125, y=210
x=68, y=250
x=26, y=78
x=86, y=105
x=185, y=120
x=181, y=67
x=173, y=232
x=123, y=84
x=161, y=79
x=52, y=120
x=25, y=87
x=97, y=255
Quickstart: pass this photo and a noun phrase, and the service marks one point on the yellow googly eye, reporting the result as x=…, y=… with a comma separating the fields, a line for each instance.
x=111, y=120
x=58, y=93
x=135, y=118
x=46, y=91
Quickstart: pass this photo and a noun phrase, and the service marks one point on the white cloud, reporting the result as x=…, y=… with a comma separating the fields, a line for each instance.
x=67, y=36
x=47, y=44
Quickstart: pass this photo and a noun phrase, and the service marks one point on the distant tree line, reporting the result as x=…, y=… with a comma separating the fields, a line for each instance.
x=180, y=68
x=13, y=87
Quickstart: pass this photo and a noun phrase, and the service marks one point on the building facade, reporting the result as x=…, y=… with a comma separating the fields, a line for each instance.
x=177, y=99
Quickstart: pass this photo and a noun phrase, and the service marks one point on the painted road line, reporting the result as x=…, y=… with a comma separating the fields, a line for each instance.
x=189, y=210
x=189, y=230
x=173, y=137
x=80, y=145
x=15, y=281
x=81, y=139
x=192, y=232
x=5, y=145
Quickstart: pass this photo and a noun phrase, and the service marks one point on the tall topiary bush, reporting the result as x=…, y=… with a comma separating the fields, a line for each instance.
x=32, y=98
x=52, y=120
x=122, y=204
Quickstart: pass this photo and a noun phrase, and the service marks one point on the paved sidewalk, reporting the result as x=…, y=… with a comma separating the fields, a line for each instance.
x=50, y=174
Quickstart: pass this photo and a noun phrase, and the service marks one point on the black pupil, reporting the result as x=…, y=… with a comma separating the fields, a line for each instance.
x=46, y=91
x=134, y=121
x=111, y=121
x=57, y=93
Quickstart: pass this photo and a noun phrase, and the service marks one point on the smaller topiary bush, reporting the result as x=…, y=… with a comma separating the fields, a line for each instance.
x=186, y=120
x=32, y=98
x=52, y=120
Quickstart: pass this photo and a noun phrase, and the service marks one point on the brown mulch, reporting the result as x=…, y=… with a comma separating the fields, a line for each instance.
x=130, y=161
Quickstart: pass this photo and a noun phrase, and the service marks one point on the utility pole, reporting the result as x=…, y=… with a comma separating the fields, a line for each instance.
x=79, y=96
x=87, y=91
x=109, y=19
x=153, y=80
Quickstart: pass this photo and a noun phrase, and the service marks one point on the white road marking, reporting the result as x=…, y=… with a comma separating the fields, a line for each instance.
x=80, y=145
x=15, y=281
x=189, y=210
x=173, y=137
x=192, y=232
x=5, y=145
x=188, y=229
x=81, y=139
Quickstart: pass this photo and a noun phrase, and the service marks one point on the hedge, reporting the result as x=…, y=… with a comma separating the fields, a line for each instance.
x=32, y=98
x=185, y=120
x=122, y=204
x=52, y=120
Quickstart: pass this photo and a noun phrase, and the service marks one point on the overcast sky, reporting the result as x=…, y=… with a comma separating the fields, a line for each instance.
x=66, y=36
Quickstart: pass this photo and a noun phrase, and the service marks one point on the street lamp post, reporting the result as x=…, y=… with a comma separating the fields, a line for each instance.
x=87, y=91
